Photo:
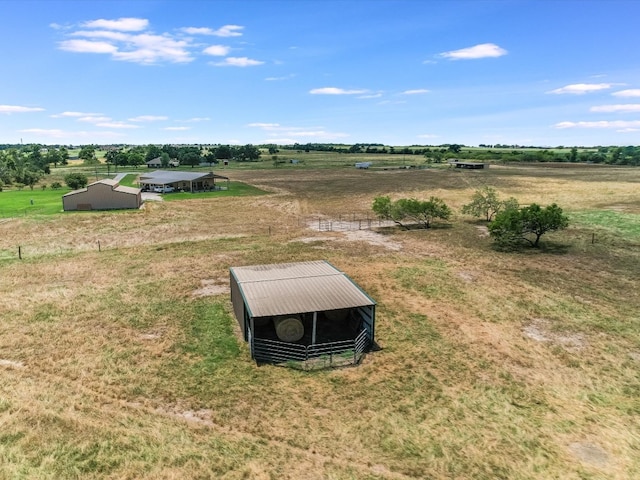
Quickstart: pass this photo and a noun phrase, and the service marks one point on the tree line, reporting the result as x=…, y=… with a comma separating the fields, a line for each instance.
x=607, y=155
x=192, y=155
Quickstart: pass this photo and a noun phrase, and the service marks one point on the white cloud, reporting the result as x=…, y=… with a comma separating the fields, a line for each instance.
x=373, y=95
x=198, y=30
x=121, y=24
x=224, y=31
x=19, y=109
x=581, y=88
x=335, y=91
x=176, y=129
x=197, y=119
x=427, y=135
x=109, y=35
x=634, y=92
x=483, y=50
x=148, y=118
x=75, y=114
x=632, y=107
x=116, y=125
x=217, y=50
x=87, y=46
x=229, y=31
x=94, y=119
x=155, y=48
x=131, y=40
x=238, y=62
x=418, y=91
x=620, y=124
x=265, y=126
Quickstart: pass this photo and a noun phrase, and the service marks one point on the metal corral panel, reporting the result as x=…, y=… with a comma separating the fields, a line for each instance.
x=282, y=289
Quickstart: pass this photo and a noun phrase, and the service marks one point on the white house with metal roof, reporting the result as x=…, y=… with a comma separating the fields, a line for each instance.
x=301, y=312
x=106, y=194
x=185, y=181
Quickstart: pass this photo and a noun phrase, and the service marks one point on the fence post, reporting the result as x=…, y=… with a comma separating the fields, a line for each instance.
x=19, y=252
x=99, y=249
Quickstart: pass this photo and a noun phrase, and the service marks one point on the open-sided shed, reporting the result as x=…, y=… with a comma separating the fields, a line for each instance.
x=307, y=312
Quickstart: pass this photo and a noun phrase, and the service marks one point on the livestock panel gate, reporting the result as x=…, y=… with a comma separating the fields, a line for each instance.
x=305, y=314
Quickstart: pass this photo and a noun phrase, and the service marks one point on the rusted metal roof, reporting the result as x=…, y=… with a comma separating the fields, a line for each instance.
x=290, y=288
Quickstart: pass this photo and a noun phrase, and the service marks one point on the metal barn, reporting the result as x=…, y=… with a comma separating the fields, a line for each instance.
x=106, y=194
x=306, y=314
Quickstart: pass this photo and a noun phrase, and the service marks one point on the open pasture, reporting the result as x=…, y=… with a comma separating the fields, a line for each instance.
x=127, y=362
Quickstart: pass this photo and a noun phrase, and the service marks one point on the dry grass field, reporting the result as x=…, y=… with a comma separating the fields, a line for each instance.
x=126, y=362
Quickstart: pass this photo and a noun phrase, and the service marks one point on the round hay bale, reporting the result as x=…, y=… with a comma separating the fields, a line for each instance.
x=337, y=315
x=289, y=329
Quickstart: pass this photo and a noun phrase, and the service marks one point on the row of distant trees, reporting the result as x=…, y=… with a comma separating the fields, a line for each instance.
x=192, y=155
x=608, y=155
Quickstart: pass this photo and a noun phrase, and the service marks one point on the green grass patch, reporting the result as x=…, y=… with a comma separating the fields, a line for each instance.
x=18, y=203
x=431, y=278
x=626, y=225
x=236, y=189
x=129, y=180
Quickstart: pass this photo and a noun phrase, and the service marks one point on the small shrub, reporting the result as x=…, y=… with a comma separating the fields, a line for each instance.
x=76, y=180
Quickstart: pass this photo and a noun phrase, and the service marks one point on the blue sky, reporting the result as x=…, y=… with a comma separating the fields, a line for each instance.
x=543, y=72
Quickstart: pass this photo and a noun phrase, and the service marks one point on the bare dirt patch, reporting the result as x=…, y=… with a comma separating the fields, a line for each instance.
x=373, y=238
x=540, y=331
x=10, y=363
x=211, y=287
x=589, y=453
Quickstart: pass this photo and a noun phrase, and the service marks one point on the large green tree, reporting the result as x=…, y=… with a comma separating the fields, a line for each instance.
x=486, y=203
x=88, y=155
x=516, y=226
x=407, y=211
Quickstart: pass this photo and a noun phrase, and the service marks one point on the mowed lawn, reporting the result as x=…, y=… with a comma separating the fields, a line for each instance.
x=16, y=203
x=127, y=362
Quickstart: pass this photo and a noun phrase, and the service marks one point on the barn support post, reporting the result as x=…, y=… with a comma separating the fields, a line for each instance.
x=313, y=331
x=251, y=333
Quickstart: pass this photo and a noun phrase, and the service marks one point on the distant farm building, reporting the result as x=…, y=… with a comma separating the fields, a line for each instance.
x=363, y=165
x=157, y=163
x=183, y=181
x=307, y=314
x=104, y=194
x=470, y=165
